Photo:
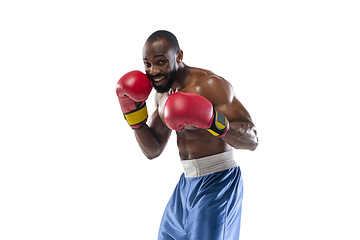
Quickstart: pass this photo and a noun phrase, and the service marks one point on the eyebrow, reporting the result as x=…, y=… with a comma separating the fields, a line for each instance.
x=158, y=55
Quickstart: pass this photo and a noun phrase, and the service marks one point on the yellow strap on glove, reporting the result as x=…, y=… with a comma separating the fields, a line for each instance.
x=137, y=118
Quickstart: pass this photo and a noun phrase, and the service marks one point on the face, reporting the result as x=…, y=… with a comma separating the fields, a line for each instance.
x=160, y=65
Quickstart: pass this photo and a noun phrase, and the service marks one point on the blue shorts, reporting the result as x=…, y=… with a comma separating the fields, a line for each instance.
x=204, y=208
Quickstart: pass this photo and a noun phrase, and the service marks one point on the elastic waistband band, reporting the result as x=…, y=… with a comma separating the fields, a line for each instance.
x=207, y=165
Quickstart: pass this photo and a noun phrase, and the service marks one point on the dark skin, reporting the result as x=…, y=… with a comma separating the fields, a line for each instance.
x=163, y=63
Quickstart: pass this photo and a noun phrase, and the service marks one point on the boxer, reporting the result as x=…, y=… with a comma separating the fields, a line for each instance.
x=209, y=121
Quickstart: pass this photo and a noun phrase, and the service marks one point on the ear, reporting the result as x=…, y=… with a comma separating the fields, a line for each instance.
x=179, y=57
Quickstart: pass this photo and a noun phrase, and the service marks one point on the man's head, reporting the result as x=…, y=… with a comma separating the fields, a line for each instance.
x=161, y=56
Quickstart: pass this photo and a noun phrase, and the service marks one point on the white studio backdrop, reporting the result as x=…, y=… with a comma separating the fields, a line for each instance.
x=70, y=167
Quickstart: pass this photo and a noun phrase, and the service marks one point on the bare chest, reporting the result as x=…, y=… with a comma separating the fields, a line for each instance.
x=161, y=106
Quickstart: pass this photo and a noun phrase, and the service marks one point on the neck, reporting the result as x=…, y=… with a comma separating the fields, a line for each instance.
x=180, y=77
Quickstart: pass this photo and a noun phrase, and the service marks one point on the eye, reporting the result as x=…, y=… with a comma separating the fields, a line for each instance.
x=161, y=62
x=147, y=64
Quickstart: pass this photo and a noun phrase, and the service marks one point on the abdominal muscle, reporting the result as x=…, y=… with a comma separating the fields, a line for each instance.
x=197, y=143
x=193, y=142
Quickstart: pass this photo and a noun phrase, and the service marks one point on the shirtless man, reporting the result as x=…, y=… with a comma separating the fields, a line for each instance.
x=209, y=121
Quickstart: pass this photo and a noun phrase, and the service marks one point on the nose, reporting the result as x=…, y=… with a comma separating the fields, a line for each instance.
x=154, y=71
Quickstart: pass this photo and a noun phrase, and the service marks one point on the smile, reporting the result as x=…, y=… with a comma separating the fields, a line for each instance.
x=158, y=79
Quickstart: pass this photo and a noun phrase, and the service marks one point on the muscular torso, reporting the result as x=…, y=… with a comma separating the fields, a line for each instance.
x=192, y=142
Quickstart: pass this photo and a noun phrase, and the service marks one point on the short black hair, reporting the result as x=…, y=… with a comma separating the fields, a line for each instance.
x=167, y=36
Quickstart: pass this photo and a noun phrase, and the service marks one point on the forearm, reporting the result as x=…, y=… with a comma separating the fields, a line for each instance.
x=147, y=142
x=242, y=135
x=151, y=144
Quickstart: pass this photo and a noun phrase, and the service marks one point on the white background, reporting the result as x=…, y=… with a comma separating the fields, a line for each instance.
x=71, y=168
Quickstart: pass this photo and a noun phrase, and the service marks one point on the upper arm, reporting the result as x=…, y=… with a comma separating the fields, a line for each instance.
x=159, y=129
x=222, y=95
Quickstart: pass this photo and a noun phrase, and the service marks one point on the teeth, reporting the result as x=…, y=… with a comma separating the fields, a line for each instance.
x=159, y=79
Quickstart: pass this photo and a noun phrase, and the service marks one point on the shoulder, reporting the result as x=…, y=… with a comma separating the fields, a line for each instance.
x=221, y=94
x=213, y=87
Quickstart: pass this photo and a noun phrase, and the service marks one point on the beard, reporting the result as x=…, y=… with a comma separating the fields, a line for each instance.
x=170, y=80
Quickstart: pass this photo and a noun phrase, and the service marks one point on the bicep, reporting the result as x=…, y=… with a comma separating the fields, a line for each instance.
x=222, y=95
x=234, y=111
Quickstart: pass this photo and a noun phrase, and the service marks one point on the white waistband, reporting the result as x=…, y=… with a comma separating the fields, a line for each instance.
x=207, y=165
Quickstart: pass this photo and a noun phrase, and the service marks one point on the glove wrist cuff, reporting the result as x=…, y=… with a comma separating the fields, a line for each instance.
x=138, y=117
x=220, y=125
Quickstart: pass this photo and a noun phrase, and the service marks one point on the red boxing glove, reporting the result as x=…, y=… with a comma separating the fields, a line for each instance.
x=191, y=109
x=132, y=90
